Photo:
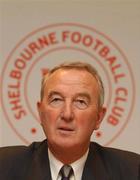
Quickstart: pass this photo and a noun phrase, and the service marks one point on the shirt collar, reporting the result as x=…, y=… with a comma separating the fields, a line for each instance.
x=55, y=165
x=78, y=166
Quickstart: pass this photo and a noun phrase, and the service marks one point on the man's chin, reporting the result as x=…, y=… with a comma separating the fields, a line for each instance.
x=65, y=143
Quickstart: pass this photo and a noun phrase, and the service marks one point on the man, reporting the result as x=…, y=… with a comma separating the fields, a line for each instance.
x=70, y=109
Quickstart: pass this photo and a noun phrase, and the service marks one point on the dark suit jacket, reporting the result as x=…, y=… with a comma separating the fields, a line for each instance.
x=31, y=163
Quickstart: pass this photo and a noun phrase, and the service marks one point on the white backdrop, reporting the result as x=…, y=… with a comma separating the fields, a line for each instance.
x=115, y=23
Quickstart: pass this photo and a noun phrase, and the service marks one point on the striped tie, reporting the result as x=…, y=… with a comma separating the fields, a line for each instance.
x=66, y=171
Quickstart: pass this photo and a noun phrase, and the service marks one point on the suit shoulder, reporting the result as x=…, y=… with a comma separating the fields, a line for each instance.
x=119, y=160
x=16, y=161
x=17, y=153
x=123, y=155
x=117, y=154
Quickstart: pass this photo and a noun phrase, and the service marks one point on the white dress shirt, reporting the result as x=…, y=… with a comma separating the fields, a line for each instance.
x=78, y=166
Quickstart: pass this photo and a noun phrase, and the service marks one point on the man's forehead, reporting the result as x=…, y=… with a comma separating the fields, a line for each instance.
x=70, y=79
x=71, y=75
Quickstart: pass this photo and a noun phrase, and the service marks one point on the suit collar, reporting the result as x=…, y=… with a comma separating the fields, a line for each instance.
x=94, y=167
x=40, y=168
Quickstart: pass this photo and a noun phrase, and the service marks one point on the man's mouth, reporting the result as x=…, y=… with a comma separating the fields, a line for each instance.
x=66, y=130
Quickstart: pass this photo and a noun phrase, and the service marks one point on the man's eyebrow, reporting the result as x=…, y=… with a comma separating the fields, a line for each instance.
x=84, y=94
x=52, y=93
x=80, y=94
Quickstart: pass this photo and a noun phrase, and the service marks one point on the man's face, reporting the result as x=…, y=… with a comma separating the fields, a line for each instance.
x=69, y=110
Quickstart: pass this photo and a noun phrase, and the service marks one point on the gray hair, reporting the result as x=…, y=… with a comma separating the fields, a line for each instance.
x=78, y=66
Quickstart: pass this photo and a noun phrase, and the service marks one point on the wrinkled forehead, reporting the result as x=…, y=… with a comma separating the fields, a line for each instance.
x=71, y=82
x=67, y=78
x=71, y=76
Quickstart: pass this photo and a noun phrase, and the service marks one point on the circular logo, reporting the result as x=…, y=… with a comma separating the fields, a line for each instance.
x=48, y=46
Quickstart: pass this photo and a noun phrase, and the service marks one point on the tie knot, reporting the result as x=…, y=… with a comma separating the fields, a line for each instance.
x=66, y=171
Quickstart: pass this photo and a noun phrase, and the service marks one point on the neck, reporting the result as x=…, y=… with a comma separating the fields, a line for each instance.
x=68, y=155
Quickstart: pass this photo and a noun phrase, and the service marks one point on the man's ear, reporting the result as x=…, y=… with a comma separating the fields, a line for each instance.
x=101, y=114
x=39, y=110
x=38, y=104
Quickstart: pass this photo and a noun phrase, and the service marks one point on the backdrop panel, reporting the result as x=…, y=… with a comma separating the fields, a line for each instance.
x=35, y=36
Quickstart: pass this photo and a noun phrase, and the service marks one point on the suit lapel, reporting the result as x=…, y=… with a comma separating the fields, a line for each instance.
x=94, y=167
x=40, y=169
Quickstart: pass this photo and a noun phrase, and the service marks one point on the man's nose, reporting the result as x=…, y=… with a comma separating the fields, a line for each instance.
x=67, y=113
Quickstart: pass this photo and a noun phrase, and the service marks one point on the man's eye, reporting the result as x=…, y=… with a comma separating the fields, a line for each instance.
x=56, y=102
x=81, y=104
